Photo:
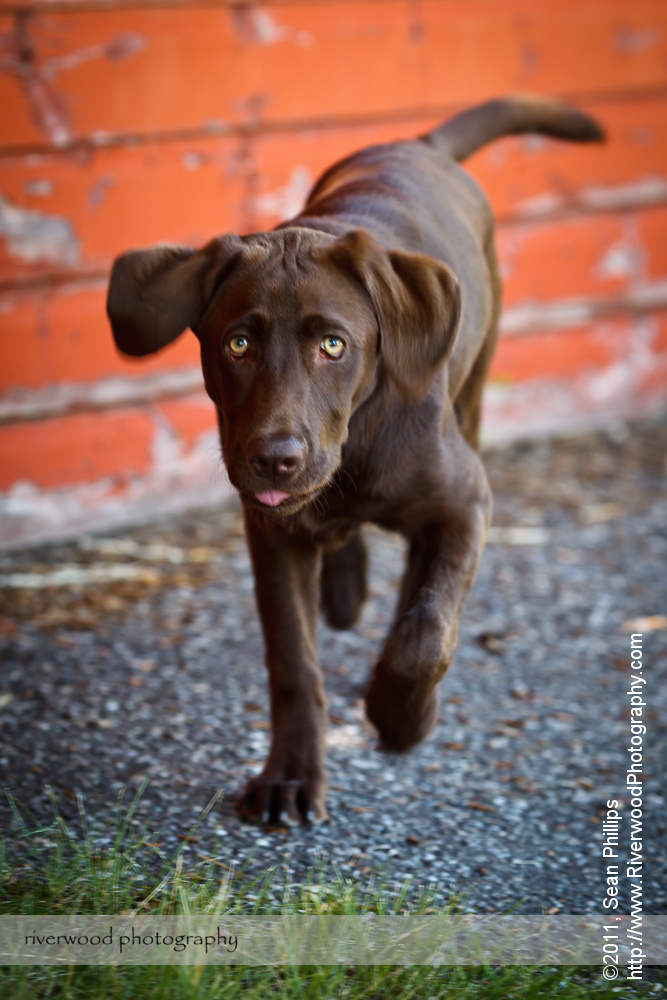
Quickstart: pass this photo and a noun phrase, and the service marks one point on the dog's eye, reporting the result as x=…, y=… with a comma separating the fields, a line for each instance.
x=333, y=347
x=239, y=345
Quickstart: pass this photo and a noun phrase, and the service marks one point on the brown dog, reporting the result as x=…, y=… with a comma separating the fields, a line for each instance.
x=346, y=352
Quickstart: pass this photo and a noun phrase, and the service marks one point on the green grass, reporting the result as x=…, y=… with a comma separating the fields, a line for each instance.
x=119, y=867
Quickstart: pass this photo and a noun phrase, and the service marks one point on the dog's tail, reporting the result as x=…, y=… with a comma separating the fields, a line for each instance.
x=469, y=131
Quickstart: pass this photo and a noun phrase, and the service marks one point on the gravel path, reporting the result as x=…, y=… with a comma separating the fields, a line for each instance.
x=144, y=660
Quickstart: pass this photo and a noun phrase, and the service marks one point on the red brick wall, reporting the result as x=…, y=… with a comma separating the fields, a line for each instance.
x=124, y=123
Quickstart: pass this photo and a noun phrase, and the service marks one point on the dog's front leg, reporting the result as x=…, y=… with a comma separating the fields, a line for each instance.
x=445, y=549
x=292, y=785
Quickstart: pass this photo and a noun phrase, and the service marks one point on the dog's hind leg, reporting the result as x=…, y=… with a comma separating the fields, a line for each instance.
x=468, y=402
x=343, y=582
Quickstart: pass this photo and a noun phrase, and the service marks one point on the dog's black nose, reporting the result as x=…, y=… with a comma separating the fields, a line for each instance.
x=276, y=456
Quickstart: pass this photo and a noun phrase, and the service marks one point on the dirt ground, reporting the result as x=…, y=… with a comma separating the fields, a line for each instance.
x=139, y=656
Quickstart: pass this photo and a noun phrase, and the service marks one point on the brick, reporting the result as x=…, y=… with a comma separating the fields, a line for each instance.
x=186, y=192
x=75, y=449
x=621, y=376
x=190, y=417
x=119, y=444
x=63, y=335
x=588, y=256
x=555, y=354
x=108, y=200
x=96, y=70
x=652, y=236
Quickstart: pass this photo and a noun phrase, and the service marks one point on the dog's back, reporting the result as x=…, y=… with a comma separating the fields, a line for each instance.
x=414, y=195
x=359, y=189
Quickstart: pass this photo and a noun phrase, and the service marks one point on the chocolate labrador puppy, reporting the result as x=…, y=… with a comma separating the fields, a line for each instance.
x=345, y=352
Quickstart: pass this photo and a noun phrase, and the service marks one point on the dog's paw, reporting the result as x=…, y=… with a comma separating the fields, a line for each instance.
x=276, y=799
x=403, y=711
x=402, y=698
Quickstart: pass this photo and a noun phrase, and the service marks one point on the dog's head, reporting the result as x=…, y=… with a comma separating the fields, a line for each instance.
x=297, y=329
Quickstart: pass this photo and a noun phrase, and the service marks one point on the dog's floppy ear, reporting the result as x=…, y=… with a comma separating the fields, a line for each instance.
x=155, y=294
x=417, y=303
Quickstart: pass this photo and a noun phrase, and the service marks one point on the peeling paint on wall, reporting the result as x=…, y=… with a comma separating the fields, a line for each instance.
x=287, y=201
x=620, y=260
x=570, y=313
x=629, y=371
x=49, y=109
x=547, y=407
x=38, y=188
x=642, y=193
x=260, y=27
x=18, y=58
x=118, y=47
x=71, y=397
x=35, y=236
x=29, y=515
x=631, y=41
x=560, y=315
x=98, y=191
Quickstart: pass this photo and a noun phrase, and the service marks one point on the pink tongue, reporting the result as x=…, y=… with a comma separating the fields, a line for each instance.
x=272, y=497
